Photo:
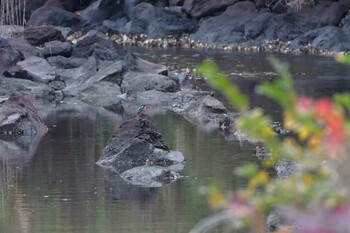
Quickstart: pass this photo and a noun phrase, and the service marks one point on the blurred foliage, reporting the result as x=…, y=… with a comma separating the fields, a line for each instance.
x=317, y=143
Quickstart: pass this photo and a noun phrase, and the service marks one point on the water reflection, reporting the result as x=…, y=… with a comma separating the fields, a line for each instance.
x=59, y=188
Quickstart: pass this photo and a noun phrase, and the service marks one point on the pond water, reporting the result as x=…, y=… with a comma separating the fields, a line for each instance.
x=59, y=188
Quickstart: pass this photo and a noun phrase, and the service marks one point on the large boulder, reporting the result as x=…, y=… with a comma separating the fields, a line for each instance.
x=53, y=13
x=202, y=8
x=102, y=10
x=170, y=23
x=216, y=30
x=326, y=38
x=136, y=142
x=157, y=22
x=292, y=24
x=35, y=69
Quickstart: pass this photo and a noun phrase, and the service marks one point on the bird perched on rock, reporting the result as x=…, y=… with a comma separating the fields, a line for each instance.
x=142, y=109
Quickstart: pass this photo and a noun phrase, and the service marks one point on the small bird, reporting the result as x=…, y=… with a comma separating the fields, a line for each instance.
x=142, y=109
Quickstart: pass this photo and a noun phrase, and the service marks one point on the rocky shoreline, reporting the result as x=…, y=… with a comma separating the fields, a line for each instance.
x=323, y=28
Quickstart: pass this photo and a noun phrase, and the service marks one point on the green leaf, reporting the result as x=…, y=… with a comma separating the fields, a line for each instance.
x=343, y=99
x=248, y=170
x=343, y=58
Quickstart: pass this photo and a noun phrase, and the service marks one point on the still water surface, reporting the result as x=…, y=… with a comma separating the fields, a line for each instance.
x=59, y=188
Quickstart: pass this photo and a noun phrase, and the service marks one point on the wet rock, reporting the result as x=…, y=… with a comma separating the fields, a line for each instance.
x=216, y=30
x=36, y=69
x=19, y=117
x=137, y=81
x=136, y=143
x=152, y=176
x=66, y=62
x=39, y=35
x=53, y=13
x=54, y=48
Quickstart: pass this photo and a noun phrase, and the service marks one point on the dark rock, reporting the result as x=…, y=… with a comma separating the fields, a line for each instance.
x=140, y=17
x=9, y=57
x=114, y=27
x=38, y=35
x=201, y=8
x=176, y=2
x=170, y=23
x=102, y=10
x=65, y=62
x=137, y=81
x=256, y=25
x=53, y=13
x=18, y=116
x=290, y=25
x=327, y=38
x=136, y=142
x=4, y=42
x=35, y=69
x=158, y=23
x=217, y=31
x=279, y=7
x=24, y=47
x=54, y=48
x=101, y=49
x=75, y=5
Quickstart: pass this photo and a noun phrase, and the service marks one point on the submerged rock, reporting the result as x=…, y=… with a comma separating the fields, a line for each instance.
x=137, y=151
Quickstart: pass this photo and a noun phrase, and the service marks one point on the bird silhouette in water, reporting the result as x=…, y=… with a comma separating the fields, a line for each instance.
x=142, y=109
